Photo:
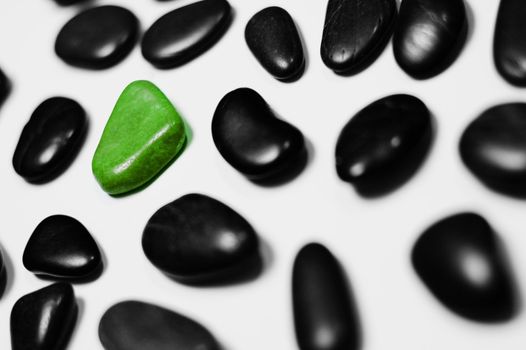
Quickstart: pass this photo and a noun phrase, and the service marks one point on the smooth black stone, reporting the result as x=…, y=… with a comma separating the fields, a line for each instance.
x=98, y=38
x=274, y=40
x=429, y=35
x=50, y=140
x=461, y=261
x=4, y=87
x=199, y=240
x=356, y=32
x=134, y=325
x=493, y=147
x=185, y=33
x=69, y=2
x=324, y=314
x=383, y=145
x=61, y=247
x=43, y=320
x=252, y=139
x=509, y=42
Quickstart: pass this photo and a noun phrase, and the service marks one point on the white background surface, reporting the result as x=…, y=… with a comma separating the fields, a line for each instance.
x=372, y=238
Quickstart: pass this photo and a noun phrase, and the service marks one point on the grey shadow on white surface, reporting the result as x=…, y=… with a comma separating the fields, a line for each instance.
x=7, y=278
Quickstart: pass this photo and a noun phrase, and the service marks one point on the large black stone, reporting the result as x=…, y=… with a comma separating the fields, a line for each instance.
x=324, y=314
x=98, y=38
x=356, y=32
x=50, y=140
x=199, y=240
x=44, y=319
x=134, y=325
x=382, y=146
x=274, y=40
x=460, y=260
x=429, y=35
x=186, y=32
x=61, y=247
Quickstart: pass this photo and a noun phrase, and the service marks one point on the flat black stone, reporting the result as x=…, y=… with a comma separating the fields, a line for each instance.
x=4, y=87
x=62, y=248
x=98, y=38
x=356, y=32
x=429, y=35
x=184, y=33
x=252, y=139
x=50, y=140
x=44, y=319
x=199, y=240
x=274, y=40
x=134, y=325
x=383, y=145
x=461, y=262
x=69, y=2
x=324, y=314
x=493, y=147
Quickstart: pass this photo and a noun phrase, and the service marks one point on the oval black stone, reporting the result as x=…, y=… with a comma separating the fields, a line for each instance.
x=324, y=314
x=44, y=319
x=252, y=139
x=199, y=240
x=274, y=40
x=134, y=325
x=61, y=247
x=509, y=43
x=356, y=32
x=98, y=38
x=186, y=32
x=429, y=35
x=460, y=260
x=50, y=140
x=68, y=2
x=4, y=87
x=384, y=144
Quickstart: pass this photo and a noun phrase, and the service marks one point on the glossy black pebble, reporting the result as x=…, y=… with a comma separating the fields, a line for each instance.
x=50, y=140
x=44, y=319
x=4, y=87
x=382, y=146
x=274, y=40
x=356, y=32
x=186, y=32
x=460, y=260
x=98, y=38
x=324, y=314
x=61, y=247
x=252, y=139
x=134, y=325
x=197, y=239
x=429, y=35
x=69, y=2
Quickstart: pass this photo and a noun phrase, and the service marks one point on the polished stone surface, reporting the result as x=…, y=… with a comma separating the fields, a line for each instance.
x=4, y=87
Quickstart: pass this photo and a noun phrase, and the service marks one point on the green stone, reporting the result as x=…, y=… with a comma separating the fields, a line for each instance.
x=143, y=134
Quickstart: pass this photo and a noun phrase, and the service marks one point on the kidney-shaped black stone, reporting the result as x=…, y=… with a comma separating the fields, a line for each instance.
x=461, y=261
x=356, y=32
x=197, y=239
x=50, y=140
x=44, y=319
x=134, y=325
x=384, y=144
x=184, y=33
x=98, y=38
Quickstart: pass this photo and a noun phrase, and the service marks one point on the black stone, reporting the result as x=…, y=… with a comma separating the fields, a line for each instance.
x=252, y=139
x=274, y=40
x=461, y=261
x=69, y=2
x=324, y=313
x=356, y=32
x=50, y=140
x=199, y=240
x=134, y=325
x=43, y=320
x=4, y=87
x=186, y=32
x=61, y=247
x=383, y=145
x=98, y=38
x=429, y=35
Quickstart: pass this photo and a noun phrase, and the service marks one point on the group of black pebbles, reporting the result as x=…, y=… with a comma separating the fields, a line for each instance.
x=197, y=240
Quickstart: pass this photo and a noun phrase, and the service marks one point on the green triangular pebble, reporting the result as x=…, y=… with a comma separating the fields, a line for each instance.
x=142, y=135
